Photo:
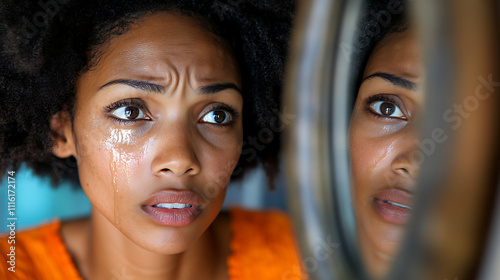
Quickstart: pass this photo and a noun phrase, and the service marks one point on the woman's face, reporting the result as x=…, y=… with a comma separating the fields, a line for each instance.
x=383, y=135
x=157, y=130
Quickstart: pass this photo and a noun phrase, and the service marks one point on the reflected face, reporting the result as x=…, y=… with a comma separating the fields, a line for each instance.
x=158, y=131
x=383, y=137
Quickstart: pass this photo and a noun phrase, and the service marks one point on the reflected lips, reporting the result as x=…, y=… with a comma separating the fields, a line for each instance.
x=393, y=205
x=185, y=208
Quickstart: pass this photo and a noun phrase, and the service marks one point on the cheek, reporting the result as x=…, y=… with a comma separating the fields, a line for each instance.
x=97, y=175
x=370, y=154
x=221, y=152
x=106, y=158
x=219, y=164
x=222, y=138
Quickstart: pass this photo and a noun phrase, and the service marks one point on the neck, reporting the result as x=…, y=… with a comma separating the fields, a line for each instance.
x=112, y=255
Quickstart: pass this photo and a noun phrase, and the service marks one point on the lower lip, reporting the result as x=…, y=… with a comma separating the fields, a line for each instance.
x=392, y=213
x=172, y=217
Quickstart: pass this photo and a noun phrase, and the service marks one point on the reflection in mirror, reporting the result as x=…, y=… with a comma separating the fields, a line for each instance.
x=383, y=132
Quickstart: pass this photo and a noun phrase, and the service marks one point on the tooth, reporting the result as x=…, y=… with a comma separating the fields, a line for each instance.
x=173, y=205
x=398, y=205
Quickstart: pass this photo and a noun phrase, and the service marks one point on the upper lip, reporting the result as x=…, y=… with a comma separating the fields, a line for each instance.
x=407, y=186
x=401, y=195
x=174, y=196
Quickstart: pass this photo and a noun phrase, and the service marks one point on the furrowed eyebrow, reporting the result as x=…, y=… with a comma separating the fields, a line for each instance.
x=141, y=85
x=395, y=80
x=148, y=86
x=210, y=89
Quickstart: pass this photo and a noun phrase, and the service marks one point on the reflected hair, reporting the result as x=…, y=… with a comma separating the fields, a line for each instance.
x=379, y=18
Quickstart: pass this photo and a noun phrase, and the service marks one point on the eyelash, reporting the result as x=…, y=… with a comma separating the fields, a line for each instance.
x=139, y=104
x=380, y=97
x=228, y=109
x=125, y=103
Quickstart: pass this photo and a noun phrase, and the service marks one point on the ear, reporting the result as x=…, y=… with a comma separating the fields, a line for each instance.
x=62, y=134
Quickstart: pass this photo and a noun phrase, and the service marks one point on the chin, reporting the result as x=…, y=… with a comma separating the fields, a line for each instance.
x=169, y=241
x=380, y=242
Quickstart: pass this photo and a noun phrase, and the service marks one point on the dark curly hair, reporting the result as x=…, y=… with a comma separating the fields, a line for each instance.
x=378, y=19
x=46, y=45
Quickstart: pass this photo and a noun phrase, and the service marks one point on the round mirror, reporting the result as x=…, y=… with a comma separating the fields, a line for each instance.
x=393, y=159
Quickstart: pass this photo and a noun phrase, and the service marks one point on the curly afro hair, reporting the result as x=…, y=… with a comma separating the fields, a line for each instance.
x=46, y=45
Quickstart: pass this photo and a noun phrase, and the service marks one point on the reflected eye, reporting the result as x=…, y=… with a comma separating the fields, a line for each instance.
x=128, y=113
x=217, y=117
x=387, y=109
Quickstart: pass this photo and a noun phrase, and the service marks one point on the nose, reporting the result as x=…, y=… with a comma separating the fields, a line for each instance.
x=176, y=153
x=408, y=157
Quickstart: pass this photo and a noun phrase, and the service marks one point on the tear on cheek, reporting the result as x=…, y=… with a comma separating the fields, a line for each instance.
x=119, y=137
x=120, y=163
x=119, y=166
x=114, y=182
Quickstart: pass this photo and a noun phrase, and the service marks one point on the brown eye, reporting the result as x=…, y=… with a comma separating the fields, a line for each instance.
x=217, y=117
x=129, y=113
x=387, y=109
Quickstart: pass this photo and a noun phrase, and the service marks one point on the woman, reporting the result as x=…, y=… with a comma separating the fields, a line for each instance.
x=384, y=137
x=150, y=99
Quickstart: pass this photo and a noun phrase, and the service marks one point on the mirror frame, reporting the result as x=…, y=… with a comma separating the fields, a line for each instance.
x=316, y=147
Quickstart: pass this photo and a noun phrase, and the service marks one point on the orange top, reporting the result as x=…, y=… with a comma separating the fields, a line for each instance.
x=39, y=254
x=262, y=247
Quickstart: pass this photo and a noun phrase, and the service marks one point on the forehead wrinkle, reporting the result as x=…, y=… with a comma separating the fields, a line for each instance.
x=169, y=56
x=177, y=84
x=197, y=69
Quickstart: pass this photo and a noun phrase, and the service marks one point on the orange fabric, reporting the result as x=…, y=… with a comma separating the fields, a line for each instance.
x=262, y=248
x=40, y=254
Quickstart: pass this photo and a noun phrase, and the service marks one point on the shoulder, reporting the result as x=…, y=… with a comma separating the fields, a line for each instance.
x=262, y=242
x=35, y=254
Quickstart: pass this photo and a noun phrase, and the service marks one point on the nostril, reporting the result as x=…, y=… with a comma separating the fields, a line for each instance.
x=405, y=171
x=178, y=172
x=176, y=165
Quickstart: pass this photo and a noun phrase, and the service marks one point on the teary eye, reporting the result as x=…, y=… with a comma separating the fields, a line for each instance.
x=128, y=113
